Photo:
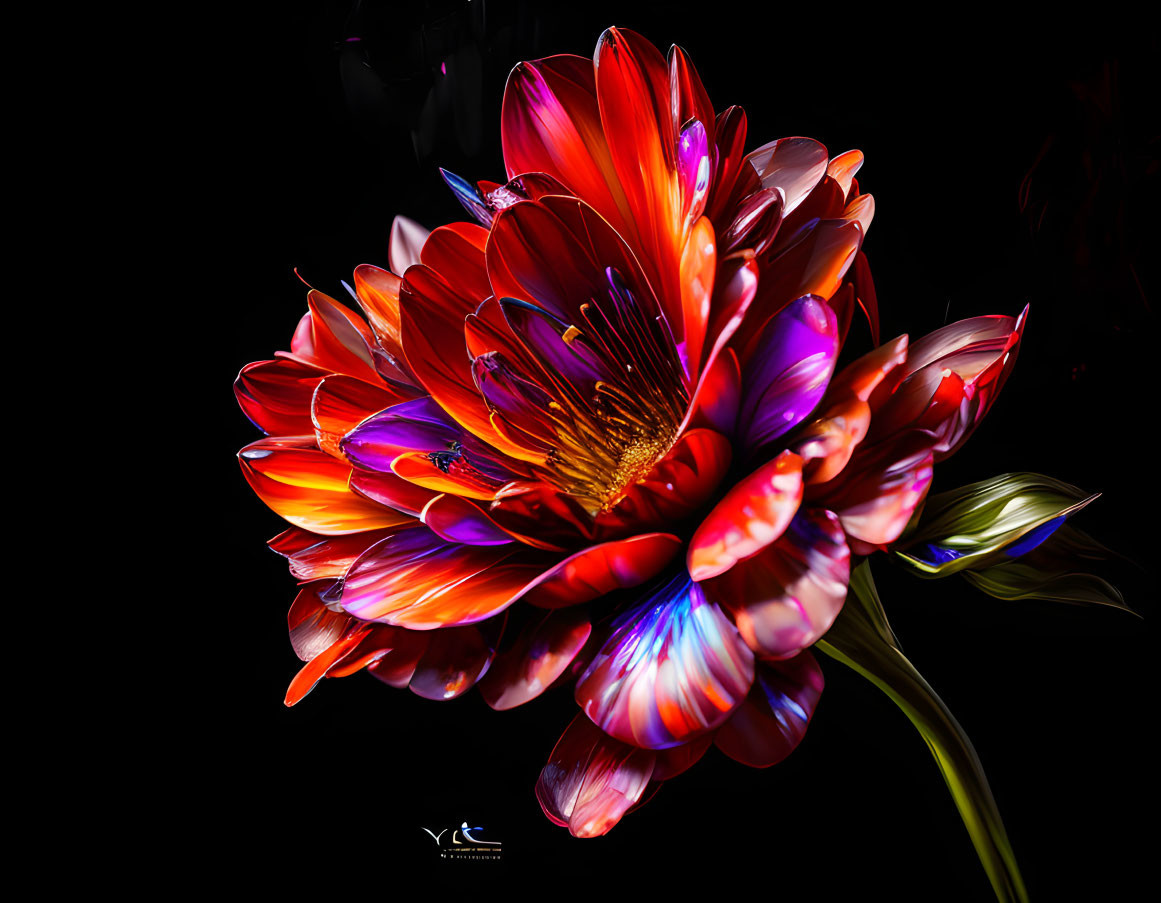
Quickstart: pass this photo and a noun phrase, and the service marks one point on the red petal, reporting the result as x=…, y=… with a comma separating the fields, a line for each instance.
x=751, y=516
x=391, y=490
x=716, y=403
x=313, y=627
x=314, y=557
x=634, y=96
x=733, y=177
x=453, y=662
x=814, y=266
x=456, y=252
x=600, y=569
x=333, y=338
x=680, y=483
x=687, y=96
x=276, y=395
x=550, y=123
x=340, y=403
x=458, y=520
x=320, y=638
x=432, y=314
x=770, y=724
x=540, y=655
x=678, y=759
x=397, y=667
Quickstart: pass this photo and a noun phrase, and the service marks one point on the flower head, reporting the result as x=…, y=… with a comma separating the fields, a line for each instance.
x=620, y=378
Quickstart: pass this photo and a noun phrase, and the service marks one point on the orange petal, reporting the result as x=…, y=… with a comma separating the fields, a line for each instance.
x=378, y=294
x=698, y=265
x=843, y=168
x=828, y=442
x=310, y=488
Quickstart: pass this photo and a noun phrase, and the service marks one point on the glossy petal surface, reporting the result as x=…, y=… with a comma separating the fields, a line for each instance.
x=592, y=779
x=788, y=373
x=419, y=580
x=751, y=516
x=787, y=596
x=540, y=655
x=771, y=722
x=672, y=668
x=310, y=488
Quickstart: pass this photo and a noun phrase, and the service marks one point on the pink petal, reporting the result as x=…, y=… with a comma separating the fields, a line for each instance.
x=591, y=779
x=878, y=491
x=407, y=238
x=794, y=165
x=787, y=596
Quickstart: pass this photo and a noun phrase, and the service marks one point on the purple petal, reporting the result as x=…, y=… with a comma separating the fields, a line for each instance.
x=421, y=426
x=693, y=167
x=788, y=373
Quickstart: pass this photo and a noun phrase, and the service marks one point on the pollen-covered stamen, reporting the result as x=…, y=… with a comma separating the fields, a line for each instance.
x=607, y=397
x=636, y=414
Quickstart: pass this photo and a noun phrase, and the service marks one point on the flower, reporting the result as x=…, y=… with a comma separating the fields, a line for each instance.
x=616, y=393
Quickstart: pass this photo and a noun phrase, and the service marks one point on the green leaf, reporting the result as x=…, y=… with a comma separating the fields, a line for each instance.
x=862, y=639
x=970, y=527
x=1050, y=572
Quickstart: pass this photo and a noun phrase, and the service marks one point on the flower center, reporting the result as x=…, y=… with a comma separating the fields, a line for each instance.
x=632, y=433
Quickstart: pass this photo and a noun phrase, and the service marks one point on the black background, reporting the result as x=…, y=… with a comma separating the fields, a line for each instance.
x=309, y=151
